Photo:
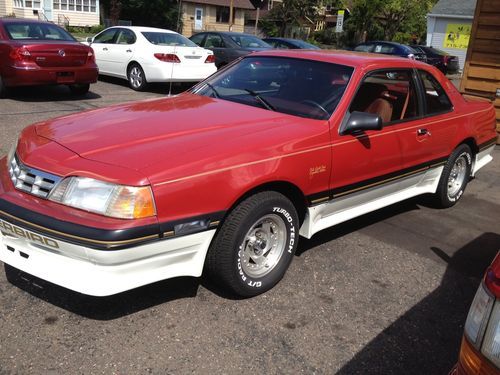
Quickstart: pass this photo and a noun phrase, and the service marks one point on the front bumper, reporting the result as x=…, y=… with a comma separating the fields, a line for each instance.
x=100, y=272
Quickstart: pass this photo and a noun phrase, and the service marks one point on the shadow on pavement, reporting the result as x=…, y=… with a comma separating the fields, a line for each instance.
x=156, y=88
x=426, y=339
x=33, y=94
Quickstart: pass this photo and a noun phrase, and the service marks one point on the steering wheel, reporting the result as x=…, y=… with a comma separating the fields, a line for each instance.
x=317, y=105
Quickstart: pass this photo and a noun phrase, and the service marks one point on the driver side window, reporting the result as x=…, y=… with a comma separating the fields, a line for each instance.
x=390, y=94
x=106, y=37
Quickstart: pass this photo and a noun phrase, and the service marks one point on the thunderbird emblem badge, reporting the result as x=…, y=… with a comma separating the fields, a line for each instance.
x=61, y=53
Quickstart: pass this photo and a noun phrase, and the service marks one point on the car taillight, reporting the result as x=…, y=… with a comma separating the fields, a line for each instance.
x=445, y=60
x=167, y=57
x=90, y=57
x=20, y=54
x=210, y=59
x=482, y=327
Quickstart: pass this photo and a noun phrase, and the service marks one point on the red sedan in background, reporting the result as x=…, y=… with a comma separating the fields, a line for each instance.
x=41, y=53
x=226, y=177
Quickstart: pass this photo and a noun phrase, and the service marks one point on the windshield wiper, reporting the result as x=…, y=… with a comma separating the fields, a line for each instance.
x=216, y=94
x=261, y=100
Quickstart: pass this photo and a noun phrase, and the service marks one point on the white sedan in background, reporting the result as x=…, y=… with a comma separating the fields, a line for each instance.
x=145, y=54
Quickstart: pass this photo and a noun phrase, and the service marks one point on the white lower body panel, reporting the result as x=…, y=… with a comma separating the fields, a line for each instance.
x=106, y=272
x=482, y=158
x=356, y=204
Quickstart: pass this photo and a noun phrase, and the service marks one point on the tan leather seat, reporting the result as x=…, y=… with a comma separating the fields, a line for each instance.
x=382, y=107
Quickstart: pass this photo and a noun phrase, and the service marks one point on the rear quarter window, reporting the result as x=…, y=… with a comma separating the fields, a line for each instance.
x=436, y=99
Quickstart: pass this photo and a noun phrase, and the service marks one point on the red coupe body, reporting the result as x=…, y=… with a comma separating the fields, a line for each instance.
x=202, y=155
x=41, y=53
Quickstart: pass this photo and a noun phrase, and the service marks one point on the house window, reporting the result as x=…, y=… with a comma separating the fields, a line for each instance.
x=76, y=5
x=34, y=4
x=222, y=15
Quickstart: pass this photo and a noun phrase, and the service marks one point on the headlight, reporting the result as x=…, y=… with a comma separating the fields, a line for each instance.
x=477, y=318
x=124, y=202
x=491, y=344
x=11, y=153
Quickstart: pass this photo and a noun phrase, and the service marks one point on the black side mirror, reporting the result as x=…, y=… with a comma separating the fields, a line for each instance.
x=361, y=121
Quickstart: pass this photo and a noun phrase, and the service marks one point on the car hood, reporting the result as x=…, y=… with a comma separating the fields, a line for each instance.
x=171, y=131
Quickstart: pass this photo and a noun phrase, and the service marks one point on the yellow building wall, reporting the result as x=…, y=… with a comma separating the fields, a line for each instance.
x=209, y=19
x=77, y=18
x=5, y=8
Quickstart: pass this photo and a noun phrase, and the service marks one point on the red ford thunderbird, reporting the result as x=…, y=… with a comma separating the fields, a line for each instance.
x=41, y=53
x=226, y=177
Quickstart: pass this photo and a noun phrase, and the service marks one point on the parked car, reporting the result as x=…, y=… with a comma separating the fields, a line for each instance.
x=225, y=177
x=442, y=60
x=391, y=48
x=480, y=350
x=41, y=53
x=287, y=43
x=228, y=46
x=144, y=54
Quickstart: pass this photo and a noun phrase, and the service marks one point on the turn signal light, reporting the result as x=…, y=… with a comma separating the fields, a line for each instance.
x=90, y=57
x=168, y=57
x=472, y=363
x=20, y=54
x=210, y=59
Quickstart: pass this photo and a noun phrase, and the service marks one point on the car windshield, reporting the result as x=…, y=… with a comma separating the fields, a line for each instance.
x=168, y=39
x=299, y=87
x=248, y=41
x=36, y=31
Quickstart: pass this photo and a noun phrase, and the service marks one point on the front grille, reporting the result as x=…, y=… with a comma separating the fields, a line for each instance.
x=31, y=180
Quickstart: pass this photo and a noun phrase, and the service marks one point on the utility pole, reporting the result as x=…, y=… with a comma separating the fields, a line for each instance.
x=231, y=15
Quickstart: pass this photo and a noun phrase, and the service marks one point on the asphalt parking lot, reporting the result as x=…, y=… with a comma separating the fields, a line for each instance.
x=386, y=293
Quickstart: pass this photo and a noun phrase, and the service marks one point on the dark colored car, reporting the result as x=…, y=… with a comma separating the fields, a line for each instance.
x=480, y=350
x=391, y=48
x=287, y=43
x=440, y=59
x=228, y=46
x=40, y=53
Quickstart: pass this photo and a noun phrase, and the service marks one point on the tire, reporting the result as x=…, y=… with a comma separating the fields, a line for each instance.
x=255, y=245
x=79, y=89
x=3, y=89
x=136, y=77
x=455, y=176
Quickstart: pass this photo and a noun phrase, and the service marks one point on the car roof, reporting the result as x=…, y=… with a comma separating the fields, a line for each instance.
x=22, y=20
x=146, y=29
x=350, y=58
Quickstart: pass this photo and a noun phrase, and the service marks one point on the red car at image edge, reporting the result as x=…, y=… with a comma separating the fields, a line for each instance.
x=41, y=53
x=224, y=178
x=480, y=350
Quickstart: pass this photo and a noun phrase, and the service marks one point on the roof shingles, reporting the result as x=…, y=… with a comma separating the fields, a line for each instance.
x=455, y=7
x=241, y=4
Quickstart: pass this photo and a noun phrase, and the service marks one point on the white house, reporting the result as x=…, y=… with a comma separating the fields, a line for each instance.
x=64, y=12
x=449, y=26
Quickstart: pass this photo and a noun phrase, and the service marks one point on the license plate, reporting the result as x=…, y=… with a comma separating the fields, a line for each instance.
x=65, y=77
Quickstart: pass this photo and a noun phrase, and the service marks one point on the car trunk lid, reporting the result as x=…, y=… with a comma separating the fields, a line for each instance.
x=58, y=54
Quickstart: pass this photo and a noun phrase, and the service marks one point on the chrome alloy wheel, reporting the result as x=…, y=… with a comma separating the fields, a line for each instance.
x=457, y=176
x=135, y=77
x=263, y=246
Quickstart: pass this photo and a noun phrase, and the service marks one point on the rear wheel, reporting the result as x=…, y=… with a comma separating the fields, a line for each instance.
x=136, y=77
x=79, y=88
x=455, y=176
x=255, y=245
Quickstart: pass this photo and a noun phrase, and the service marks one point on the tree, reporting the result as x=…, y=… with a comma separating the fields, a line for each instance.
x=400, y=20
x=154, y=13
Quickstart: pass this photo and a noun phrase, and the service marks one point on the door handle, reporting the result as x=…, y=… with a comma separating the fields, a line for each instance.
x=129, y=50
x=423, y=132
x=104, y=49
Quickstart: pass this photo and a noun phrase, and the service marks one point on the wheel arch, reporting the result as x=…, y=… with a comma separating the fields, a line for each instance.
x=288, y=189
x=471, y=142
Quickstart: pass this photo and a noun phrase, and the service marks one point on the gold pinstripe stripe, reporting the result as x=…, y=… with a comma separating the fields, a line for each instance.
x=107, y=243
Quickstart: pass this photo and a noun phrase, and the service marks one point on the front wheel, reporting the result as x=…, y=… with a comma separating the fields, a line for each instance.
x=455, y=176
x=255, y=245
x=136, y=77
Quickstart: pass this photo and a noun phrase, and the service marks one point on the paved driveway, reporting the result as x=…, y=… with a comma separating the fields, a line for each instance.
x=386, y=293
